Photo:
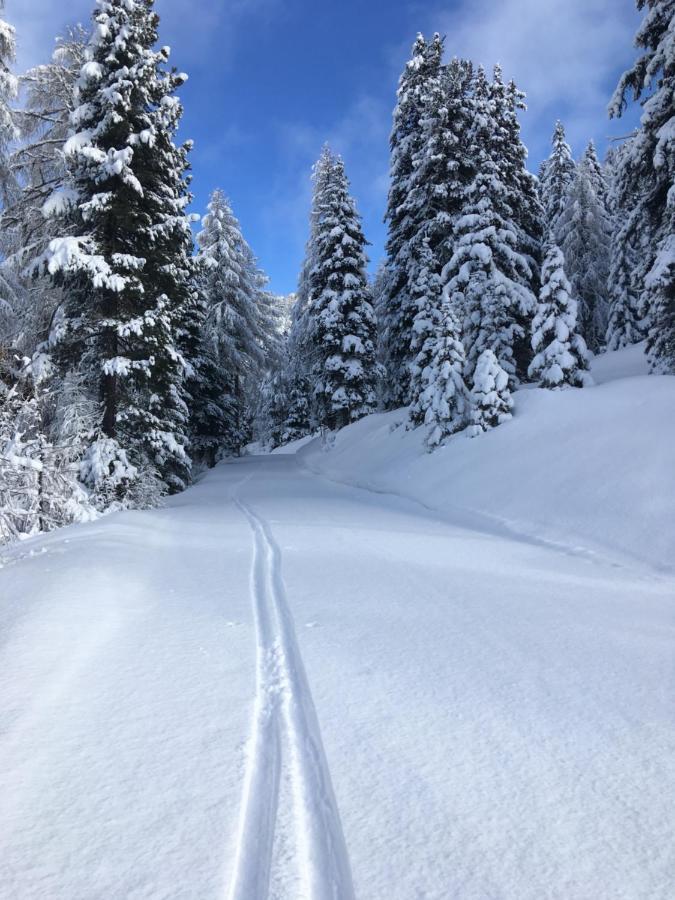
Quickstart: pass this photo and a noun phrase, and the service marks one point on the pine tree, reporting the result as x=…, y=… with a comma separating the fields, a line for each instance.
x=396, y=311
x=560, y=351
x=8, y=133
x=558, y=173
x=342, y=325
x=239, y=321
x=585, y=233
x=487, y=278
x=624, y=326
x=491, y=401
x=441, y=401
x=125, y=262
x=526, y=212
x=647, y=179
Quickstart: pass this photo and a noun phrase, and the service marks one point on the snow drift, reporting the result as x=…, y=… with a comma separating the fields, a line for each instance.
x=595, y=466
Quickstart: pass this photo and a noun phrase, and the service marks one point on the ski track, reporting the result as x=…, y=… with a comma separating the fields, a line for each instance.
x=285, y=722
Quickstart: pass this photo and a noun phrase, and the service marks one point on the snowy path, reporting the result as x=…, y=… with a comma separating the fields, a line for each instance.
x=282, y=690
x=418, y=708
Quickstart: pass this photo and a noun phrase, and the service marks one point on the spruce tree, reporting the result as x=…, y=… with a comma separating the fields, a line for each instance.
x=125, y=260
x=396, y=311
x=8, y=133
x=585, y=233
x=558, y=173
x=526, y=212
x=648, y=177
x=488, y=277
x=239, y=319
x=440, y=400
x=490, y=399
x=560, y=352
x=342, y=330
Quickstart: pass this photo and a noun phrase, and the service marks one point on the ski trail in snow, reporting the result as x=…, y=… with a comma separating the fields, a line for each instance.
x=282, y=688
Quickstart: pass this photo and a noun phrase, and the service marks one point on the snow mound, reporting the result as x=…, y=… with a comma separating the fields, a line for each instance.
x=590, y=470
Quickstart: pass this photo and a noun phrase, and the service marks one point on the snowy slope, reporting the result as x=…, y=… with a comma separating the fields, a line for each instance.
x=593, y=469
x=280, y=686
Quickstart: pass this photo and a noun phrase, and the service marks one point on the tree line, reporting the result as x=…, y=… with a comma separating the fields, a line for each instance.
x=133, y=354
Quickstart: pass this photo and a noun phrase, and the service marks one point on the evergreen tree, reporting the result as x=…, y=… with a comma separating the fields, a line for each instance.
x=647, y=180
x=8, y=133
x=239, y=322
x=396, y=311
x=487, y=278
x=526, y=212
x=560, y=351
x=491, y=401
x=624, y=326
x=558, y=173
x=342, y=329
x=441, y=401
x=585, y=233
x=125, y=262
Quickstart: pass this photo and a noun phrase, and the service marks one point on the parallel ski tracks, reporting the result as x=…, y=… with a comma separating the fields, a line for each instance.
x=285, y=733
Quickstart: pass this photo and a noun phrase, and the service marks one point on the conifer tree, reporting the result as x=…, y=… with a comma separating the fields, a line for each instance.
x=441, y=401
x=526, y=214
x=342, y=330
x=585, y=233
x=647, y=178
x=8, y=133
x=487, y=278
x=560, y=352
x=490, y=399
x=396, y=312
x=239, y=323
x=125, y=260
x=558, y=173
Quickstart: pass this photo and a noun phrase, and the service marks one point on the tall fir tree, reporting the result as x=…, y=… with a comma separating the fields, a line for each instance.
x=125, y=260
x=396, y=312
x=239, y=323
x=648, y=177
x=342, y=330
x=585, y=234
x=488, y=276
x=557, y=176
x=8, y=133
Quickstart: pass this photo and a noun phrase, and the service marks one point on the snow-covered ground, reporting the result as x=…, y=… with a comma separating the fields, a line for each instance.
x=283, y=686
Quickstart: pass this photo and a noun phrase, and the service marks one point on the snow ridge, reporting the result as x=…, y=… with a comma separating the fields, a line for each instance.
x=285, y=721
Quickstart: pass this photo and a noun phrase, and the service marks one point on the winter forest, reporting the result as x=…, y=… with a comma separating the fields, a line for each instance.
x=133, y=354
x=337, y=494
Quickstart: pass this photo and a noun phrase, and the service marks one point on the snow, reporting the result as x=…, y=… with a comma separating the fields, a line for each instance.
x=282, y=686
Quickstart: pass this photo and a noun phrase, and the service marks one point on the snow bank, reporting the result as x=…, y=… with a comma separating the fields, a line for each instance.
x=592, y=467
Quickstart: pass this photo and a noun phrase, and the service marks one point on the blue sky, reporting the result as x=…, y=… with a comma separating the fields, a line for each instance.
x=271, y=80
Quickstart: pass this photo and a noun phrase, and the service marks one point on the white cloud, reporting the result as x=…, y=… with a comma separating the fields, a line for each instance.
x=563, y=53
x=193, y=28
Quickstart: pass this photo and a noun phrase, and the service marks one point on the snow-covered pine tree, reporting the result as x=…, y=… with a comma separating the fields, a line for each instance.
x=441, y=172
x=648, y=176
x=441, y=401
x=561, y=356
x=557, y=175
x=342, y=328
x=239, y=322
x=527, y=213
x=8, y=133
x=38, y=170
x=585, y=234
x=490, y=399
x=125, y=259
x=624, y=326
x=487, y=279
x=395, y=311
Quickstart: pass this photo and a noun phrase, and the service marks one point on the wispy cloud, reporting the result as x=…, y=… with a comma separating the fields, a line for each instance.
x=194, y=28
x=563, y=53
